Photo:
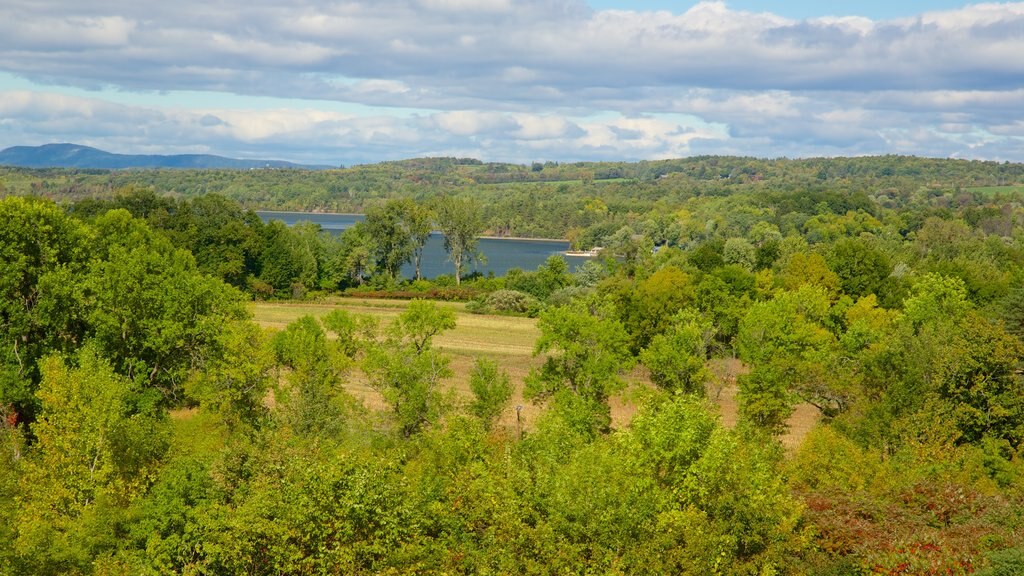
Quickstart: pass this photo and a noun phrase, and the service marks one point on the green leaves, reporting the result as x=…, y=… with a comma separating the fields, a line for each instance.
x=406, y=370
x=785, y=341
x=154, y=314
x=676, y=359
x=42, y=256
x=313, y=397
x=420, y=322
x=587, y=349
x=461, y=222
x=235, y=382
x=93, y=450
x=491, y=390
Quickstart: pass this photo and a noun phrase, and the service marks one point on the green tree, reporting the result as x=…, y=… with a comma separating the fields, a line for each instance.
x=491, y=390
x=461, y=221
x=225, y=240
x=979, y=375
x=281, y=263
x=648, y=308
x=95, y=449
x=346, y=328
x=406, y=369
x=809, y=269
x=860, y=266
x=234, y=384
x=790, y=351
x=394, y=240
x=313, y=397
x=421, y=321
x=633, y=249
x=741, y=252
x=1011, y=311
x=355, y=258
x=677, y=358
x=43, y=254
x=587, y=349
x=727, y=508
x=154, y=314
x=419, y=220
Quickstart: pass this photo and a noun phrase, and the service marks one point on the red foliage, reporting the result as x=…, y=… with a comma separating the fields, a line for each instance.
x=446, y=294
x=9, y=416
x=931, y=529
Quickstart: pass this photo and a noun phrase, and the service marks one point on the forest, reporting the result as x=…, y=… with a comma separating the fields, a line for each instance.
x=186, y=389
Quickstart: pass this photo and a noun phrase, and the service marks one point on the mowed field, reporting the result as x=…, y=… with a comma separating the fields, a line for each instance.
x=509, y=341
x=1011, y=189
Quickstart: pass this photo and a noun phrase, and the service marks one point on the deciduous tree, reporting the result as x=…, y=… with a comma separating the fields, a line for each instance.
x=587, y=349
x=461, y=222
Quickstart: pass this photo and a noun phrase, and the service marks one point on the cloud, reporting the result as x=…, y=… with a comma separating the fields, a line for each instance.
x=453, y=46
x=518, y=78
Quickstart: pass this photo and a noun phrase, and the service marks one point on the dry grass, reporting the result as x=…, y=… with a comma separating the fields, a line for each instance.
x=505, y=339
x=722, y=391
x=509, y=341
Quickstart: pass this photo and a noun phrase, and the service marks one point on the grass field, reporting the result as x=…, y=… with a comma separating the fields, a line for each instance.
x=555, y=182
x=1015, y=189
x=504, y=339
x=509, y=341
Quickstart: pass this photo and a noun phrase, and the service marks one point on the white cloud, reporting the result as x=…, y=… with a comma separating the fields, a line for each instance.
x=514, y=79
x=471, y=5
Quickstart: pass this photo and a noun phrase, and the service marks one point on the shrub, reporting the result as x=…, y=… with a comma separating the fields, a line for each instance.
x=564, y=296
x=512, y=301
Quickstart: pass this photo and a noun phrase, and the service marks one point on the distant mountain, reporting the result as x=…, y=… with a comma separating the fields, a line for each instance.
x=77, y=156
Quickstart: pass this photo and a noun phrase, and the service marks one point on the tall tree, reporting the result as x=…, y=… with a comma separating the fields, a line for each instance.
x=461, y=221
x=386, y=224
x=42, y=254
x=419, y=221
x=153, y=313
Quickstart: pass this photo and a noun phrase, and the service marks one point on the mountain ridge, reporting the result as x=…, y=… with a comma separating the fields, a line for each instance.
x=68, y=155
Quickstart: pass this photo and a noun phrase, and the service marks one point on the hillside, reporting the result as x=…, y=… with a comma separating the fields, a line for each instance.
x=78, y=156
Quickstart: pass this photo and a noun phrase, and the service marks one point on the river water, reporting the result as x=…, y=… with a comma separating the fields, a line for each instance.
x=502, y=254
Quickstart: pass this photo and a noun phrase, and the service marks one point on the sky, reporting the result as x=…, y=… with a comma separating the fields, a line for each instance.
x=344, y=82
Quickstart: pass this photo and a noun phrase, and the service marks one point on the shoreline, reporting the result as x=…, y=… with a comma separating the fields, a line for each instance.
x=486, y=237
x=521, y=238
x=307, y=212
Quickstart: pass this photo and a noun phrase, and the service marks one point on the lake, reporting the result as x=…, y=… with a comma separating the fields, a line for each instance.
x=502, y=254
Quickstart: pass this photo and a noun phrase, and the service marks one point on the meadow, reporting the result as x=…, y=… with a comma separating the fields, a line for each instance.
x=991, y=190
x=509, y=341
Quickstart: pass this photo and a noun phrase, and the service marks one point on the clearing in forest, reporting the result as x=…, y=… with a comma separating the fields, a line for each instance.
x=509, y=341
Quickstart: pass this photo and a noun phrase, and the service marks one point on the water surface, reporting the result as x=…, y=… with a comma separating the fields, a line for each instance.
x=502, y=254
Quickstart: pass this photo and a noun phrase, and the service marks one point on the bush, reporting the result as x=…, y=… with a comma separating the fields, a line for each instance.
x=445, y=281
x=565, y=296
x=512, y=301
x=421, y=285
x=1005, y=563
x=477, y=306
x=445, y=294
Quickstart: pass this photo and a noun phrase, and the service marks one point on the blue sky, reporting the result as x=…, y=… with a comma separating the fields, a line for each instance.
x=353, y=81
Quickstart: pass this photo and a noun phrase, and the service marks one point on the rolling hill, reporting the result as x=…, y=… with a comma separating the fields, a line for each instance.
x=78, y=156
